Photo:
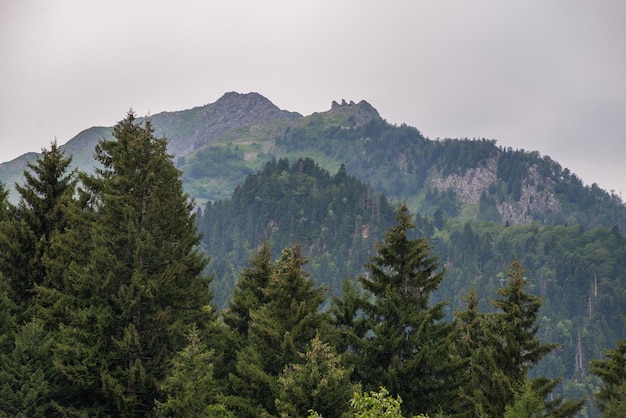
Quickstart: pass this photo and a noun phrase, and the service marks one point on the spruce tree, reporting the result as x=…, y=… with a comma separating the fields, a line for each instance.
x=143, y=284
x=190, y=385
x=483, y=383
x=319, y=382
x=25, y=387
x=406, y=346
x=249, y=291
x=516, y=348
x=611, y=398
x=8, y=321
x=26, y=234
x=278, y=331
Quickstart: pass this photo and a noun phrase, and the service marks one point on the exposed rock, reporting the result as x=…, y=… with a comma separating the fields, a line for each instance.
x=470, y=186
x=358, y=113
x=532, y=199
x=537, y=194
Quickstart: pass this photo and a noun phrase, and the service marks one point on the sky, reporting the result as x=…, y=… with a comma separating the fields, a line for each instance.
x=547, y=76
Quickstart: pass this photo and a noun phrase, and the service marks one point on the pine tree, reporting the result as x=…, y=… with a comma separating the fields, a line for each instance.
x=143, y=284
x=407, y=345
x=611, y=398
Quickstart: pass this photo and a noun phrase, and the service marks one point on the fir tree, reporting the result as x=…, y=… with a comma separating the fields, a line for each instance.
x=320, y=382
x=25, y=388
x=516, y=348
x=190, y=385
x=249, y=293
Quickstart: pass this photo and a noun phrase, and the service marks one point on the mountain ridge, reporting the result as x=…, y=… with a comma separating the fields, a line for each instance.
x=218, y=144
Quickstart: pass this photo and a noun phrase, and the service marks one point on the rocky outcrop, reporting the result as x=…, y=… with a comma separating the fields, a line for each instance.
x=471, y=185
x=350, y=113
x=537, y=193
x=537, y=196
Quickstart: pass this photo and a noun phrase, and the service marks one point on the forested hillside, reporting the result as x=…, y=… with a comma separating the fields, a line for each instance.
x=336, y=219
x=102, y=282
x=98, y=250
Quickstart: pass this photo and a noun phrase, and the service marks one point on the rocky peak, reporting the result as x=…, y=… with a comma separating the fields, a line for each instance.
x=199, y=126
x=357, y=113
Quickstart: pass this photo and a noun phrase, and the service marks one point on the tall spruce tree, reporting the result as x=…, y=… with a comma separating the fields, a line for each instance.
x=483, y=381
x=249, y=293
x=8, y=321
x=405, y=345
x=25, y=237
x=320, y=383
x=143, y=284
x=28, y=233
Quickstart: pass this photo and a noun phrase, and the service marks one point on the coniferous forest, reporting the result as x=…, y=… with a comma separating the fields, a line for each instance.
x=305, y=294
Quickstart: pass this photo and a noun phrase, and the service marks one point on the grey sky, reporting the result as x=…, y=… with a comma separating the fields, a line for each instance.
x=534, y=74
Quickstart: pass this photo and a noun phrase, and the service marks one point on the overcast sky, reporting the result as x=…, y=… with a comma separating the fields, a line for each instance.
x=540, y=75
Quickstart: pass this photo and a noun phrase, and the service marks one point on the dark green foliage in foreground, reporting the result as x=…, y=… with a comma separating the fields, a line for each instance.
x=612, y=396
x=279, y=329
x=400, y=341
x=115, y=317
x=502, y=347
x=112, y=276
x=144, y=276
x=28, y=230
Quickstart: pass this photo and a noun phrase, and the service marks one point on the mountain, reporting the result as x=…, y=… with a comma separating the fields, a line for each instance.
x=217, y=145
x=329, y=181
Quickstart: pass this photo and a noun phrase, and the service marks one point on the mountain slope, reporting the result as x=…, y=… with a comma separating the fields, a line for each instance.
x=219, y=144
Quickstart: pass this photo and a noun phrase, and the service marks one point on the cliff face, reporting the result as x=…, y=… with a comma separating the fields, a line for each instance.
x=537, y=193
x=471, y=185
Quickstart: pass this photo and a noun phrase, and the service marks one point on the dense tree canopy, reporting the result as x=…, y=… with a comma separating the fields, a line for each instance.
x=106, y=308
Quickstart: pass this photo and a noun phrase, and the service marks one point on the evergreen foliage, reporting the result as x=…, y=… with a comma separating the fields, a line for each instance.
x=502, y=347
x=320, y=382
x=403, y=343
x=190, y=385
x=335, y=219
x=27, y=231
x=280, y=328
x=105, y=309
x=612, y=370
x=143, y=283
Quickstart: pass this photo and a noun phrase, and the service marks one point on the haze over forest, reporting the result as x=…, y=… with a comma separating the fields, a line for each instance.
x=333, y=240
